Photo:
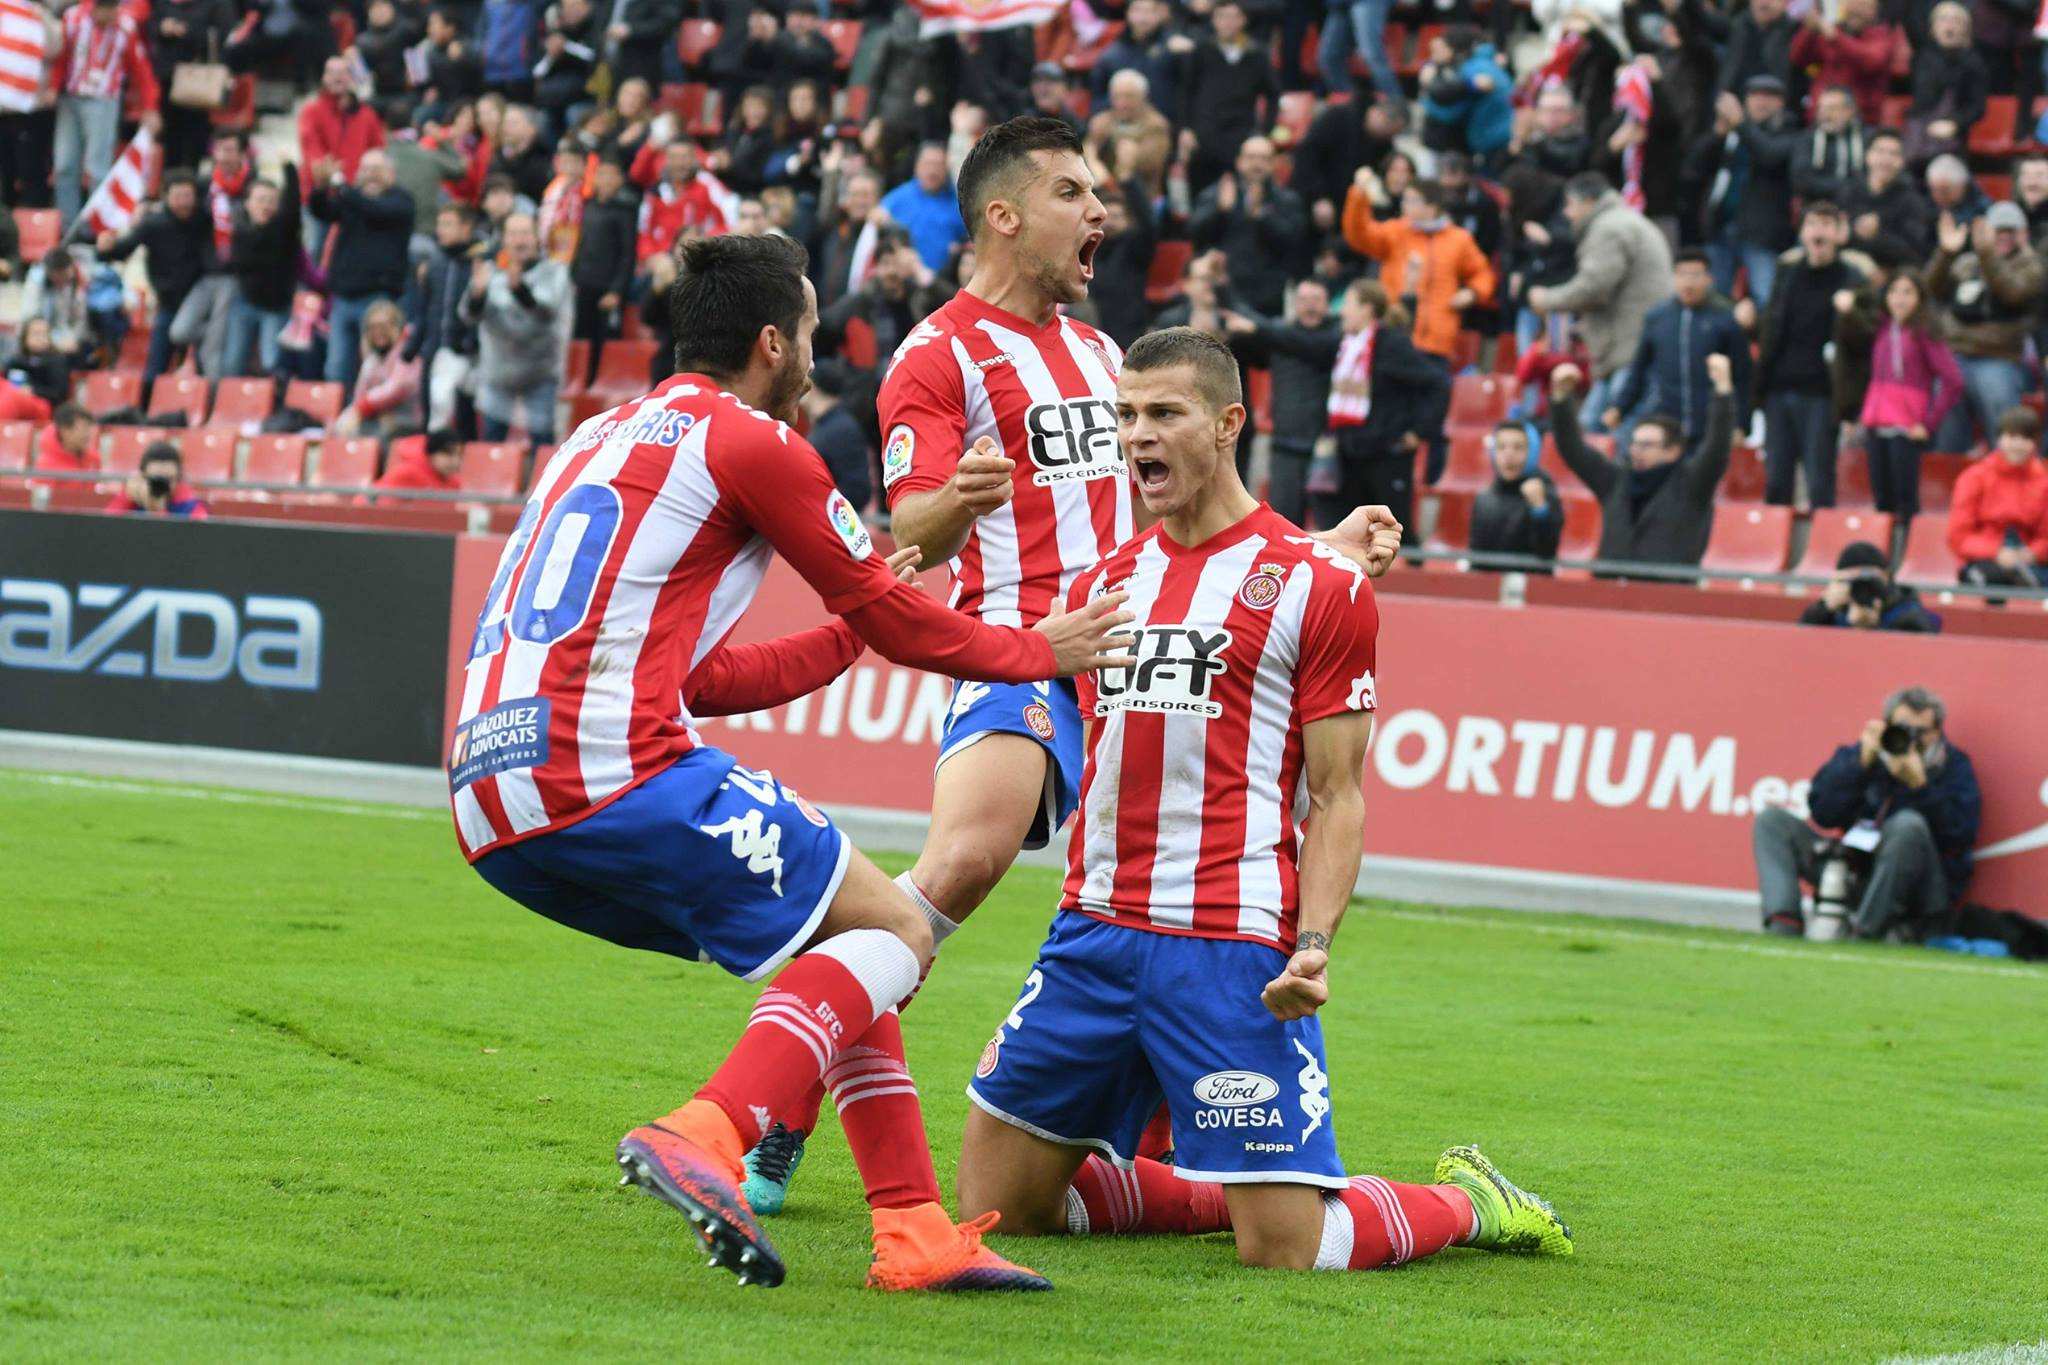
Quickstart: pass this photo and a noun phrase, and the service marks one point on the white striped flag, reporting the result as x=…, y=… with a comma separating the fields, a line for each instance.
x=24, y=55
x=116, y=203
x=971, y=16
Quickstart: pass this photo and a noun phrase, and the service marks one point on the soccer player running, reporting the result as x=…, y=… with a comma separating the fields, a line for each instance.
x=1216, y=847
x=1000, y=454
x=583, y=790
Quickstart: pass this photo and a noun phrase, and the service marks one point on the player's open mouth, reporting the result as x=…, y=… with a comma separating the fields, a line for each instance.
x=1152, y=474
x=1086, y=255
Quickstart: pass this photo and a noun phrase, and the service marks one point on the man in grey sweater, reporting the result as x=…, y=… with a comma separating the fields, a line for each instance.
x=1657, y=503
x=521, y=313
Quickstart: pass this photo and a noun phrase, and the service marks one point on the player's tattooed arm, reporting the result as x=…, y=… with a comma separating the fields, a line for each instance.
x=1314, y=939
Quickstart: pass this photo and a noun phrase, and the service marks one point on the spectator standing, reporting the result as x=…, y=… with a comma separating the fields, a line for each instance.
x=100, y=56
x=263, y=258
x=508, y=44
x=335, y=125
x=1123, y=263
x=1745, y=168
x=1430, y=263
x=1255, y=221
x=682, y=198
x=1759, y=44
x=1889, y=219
x=1796, y=385
x=1914, y=381
x=1998, y=513
x=1387, y=401
x=1131, y=116
x=885, y=301
x=521, y=312
x=1300, y=352
x=1551, y=139
x=1357, y=26
x=1049, y=95
x=1862, y=596
x=602, y=270
x=637, y=35
x=1622, y=271
x=848, y=234
x=381, y=43
x=927, y=208
x=1851, y=49
x=1465, y=96
x=1228, y=76
x=742, y=158
x=186, y=31
x=387, y=387
x=1991, y=282
x=1340, y=139
x=446, y=343
x=178, y=241
x=454, y=74
x=521, y=156
x=1150, y=47
x=836, y=434
x=568, y=56
x=1519, y=513
x=1669, y=371
x=1949, y=87
x=157, y=488
x=1657, y=504
x=369, y=257
x=1827, y=162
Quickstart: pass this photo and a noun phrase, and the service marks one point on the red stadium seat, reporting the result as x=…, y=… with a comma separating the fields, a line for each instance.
x=101, y=391
x=701, y=112
x=1749, y=540
x=851, y=104
x=184, y=393
x=239, y=113
x=40, y=230
x=844, y=35
x=1453, y=531
x=1581, y=539
x=126, y=444
x=1478, y=400
x=1938, y=475
x=540, y=464
x=1852, y=477
x=17, y=444
x=1928, y=558
x=857, y=346
x=1469, y=467
x=276, y=459
x=1995, y=187
x=1744, y=481
x=210, y=454
x=1169, y=263
x=1834, y=527
x=240, y=402
x=491, y=467
x=347, y=464
x=575, y=366
x=695, y=38
x=315, y=397
x=1992, y=135
x=1259, y=395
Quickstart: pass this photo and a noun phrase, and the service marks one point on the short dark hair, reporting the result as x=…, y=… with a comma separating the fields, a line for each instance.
x=1692, y=255
x=1214, y=366
x=1510, y=424
x=993, y=162
x=156, y=452
x=1821, y=208
x=70, y=414
x=498, y=181
x=1673, y=434
x=2020, y=421
x=1461, y=38
x=1587, y=185
x=460, y=210
x=447, y=438
x=234, y=135
x=173, y=179
x=1871, y=135
x=1431, y=190
x=726, y=290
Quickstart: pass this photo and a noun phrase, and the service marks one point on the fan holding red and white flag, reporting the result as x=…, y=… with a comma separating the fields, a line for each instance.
x=974, y=16
x=117, y=203
x=24, y=55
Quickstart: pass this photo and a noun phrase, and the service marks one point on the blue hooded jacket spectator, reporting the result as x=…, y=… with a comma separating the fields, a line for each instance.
x=1670, y=365
x=1485, y=112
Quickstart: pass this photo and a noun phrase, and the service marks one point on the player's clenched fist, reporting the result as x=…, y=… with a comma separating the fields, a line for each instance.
x=1084, y=640
x=1301, y=988
x=982, y=478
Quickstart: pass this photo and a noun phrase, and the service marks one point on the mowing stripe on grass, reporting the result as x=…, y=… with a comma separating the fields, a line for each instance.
x=104, y=784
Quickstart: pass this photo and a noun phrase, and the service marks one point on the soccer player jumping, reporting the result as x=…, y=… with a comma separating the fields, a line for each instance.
x=1217, y=843
x=583, y=790
x=1000, y=454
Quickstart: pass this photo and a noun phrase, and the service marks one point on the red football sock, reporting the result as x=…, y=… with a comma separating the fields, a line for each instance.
x=1374, y=1222
x=1157, y=1139
x=884, y=1125
x=1148, y=1198
x=811, y=1008
x=803, y=1116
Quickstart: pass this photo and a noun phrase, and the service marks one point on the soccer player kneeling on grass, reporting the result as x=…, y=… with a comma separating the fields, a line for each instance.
x=1215, y=850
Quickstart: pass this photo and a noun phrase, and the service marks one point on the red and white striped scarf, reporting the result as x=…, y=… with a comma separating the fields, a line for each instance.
x=1634, y=97
x=1351, y=379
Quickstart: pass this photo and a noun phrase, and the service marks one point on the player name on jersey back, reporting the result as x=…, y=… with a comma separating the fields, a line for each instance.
x=1047, y=395
x=1193, y=794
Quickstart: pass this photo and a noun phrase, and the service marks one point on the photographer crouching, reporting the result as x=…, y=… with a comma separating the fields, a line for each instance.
x=1907, y=803
x=1863, y=596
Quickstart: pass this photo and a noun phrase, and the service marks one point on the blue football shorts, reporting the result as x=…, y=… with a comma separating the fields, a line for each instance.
x=705, y=860
x=1046, y=712
x=1112, y=1018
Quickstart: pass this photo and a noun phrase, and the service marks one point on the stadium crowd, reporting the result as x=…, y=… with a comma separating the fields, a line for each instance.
x=1483, y=251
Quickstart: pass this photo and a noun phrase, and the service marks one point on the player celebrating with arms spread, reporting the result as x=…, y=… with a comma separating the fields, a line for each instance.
x=1000, y=454
x=1218, y=840
x=582, y=789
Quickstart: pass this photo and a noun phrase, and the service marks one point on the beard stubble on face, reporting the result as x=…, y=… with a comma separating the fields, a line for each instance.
x=792, y=382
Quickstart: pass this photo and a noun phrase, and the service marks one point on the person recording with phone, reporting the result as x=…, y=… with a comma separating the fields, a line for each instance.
x=1908, y=805
x=1862, y=596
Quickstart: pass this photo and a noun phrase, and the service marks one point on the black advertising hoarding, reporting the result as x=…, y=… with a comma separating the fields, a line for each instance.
x=284, y=639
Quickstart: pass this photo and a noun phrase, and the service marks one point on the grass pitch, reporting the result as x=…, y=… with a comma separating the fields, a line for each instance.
x=284, y=1079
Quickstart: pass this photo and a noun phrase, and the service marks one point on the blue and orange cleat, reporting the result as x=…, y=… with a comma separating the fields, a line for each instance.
x=922, y=1248
x=690, y=1161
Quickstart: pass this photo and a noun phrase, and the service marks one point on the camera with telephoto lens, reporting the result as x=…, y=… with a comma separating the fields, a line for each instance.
x=1867, y=591
x=1898, y=739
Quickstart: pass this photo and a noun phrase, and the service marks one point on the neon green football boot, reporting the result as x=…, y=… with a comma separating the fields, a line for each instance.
x=1506, y=1216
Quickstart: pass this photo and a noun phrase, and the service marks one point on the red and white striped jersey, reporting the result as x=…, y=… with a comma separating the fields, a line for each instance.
x=1048, y=396
x=1193, y=793
x=643, y=542
x=97, y=60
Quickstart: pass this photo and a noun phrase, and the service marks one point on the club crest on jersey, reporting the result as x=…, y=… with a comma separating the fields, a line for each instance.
x=805, y=808
x=990, y=1055
x=1175, y=674
x=1074, y=439
x=896, y=454
x=848, y=524
x=1262, y=589
x=512, y=734
x=1039, y=719
x=1101, y=353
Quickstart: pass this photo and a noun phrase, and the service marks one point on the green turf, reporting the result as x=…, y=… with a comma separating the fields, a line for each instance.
x=288, y=1081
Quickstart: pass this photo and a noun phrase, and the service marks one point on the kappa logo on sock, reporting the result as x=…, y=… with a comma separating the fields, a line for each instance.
x=1315, y=1090
x=762, y=1118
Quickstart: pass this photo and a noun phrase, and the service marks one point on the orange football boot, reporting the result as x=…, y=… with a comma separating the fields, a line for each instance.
x=923, y=1248
x=690, y=1160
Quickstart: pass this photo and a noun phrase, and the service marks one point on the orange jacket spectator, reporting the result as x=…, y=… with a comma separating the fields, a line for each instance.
x=336, y=124
x=1432, y=263
x=1995, y=496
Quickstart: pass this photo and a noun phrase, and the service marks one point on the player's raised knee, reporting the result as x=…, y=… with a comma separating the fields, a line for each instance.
x=960, y=876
